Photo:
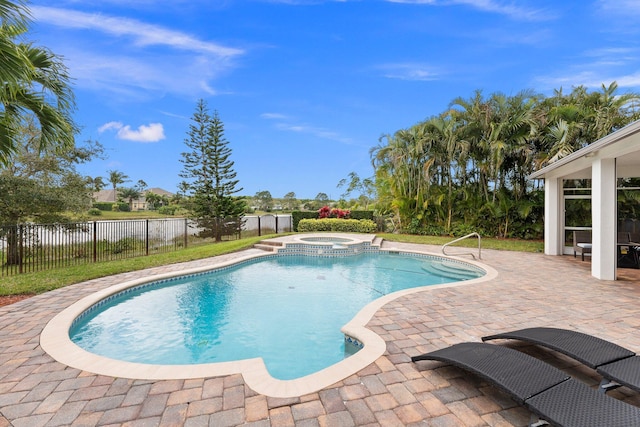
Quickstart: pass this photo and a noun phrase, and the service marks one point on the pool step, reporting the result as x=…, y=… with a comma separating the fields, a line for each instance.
x=377, y=241
x=269, y=246
x=452, y=271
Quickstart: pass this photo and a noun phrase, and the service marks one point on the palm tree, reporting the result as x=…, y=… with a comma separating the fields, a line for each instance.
x=116, y=178
x=476, y=116
x=96, y=184
x=130, y=194
x=35, y=82
x=401, y=167
x=611, y=110
x=447, y=151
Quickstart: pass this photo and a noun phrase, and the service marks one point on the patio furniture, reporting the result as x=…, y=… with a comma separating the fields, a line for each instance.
x=628, y=250
x=617, y=365
x=624, y=237
x=581, y=242
x=548, y=392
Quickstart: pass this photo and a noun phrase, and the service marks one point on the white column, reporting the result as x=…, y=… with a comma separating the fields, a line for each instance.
x=604, y=210
x=553, y=213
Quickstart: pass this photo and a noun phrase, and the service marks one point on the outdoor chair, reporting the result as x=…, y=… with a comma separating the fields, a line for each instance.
x=581, y=242
x=627, y=253
x=623, y=237
x=617, y=365
x=546, y=391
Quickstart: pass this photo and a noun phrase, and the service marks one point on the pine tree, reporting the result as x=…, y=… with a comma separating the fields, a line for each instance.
x=210, y=179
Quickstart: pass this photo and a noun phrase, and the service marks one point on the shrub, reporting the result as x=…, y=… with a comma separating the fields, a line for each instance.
x=297, y=216
x=339, y=225
x=327, y=212
x=94, y=212
x=462, y=229
x=167, y=210
x=361, y=215
x=103, y=206
x=120, y=207
x=124, y=245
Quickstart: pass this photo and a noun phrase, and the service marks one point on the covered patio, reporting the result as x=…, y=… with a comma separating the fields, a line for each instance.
x=603, y=162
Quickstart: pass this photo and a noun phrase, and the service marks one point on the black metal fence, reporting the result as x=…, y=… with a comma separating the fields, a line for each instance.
x=28, y=248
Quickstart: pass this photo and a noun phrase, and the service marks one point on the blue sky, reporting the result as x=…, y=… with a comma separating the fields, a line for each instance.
x=306, y=88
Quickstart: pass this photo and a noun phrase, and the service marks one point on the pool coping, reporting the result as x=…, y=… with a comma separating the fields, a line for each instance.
x=55, y=340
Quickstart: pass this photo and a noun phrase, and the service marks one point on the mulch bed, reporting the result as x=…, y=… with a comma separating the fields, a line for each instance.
x=10, y=299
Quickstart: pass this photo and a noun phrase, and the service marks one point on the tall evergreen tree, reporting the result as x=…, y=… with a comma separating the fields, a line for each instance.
x=209, y=176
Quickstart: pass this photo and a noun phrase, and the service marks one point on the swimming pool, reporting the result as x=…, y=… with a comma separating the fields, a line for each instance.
x=286, y=309
x=56, y=342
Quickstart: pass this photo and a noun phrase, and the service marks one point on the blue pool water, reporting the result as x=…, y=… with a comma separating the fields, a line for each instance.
x=286, y=309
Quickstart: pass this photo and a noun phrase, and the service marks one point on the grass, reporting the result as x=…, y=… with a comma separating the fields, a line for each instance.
x=40, y=282
x=43, y=281
x=487, y=243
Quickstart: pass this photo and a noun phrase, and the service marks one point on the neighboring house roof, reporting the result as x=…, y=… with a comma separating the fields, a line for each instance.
x=160, y=191
x=106, y=196
x=112, y=195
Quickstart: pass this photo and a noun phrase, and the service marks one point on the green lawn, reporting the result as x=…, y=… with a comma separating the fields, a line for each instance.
x=36, y=283
x=487, y=243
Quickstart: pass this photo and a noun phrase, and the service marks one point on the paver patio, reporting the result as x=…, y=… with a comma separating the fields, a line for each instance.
x=530, y=290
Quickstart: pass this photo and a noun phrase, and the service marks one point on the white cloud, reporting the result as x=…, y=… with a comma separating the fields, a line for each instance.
x=286, y=123
x=110, y=126
x=273, y=116
x=592, y=79
x=492, y=6
x=621, y=7
x=152, y=132
x=142, y=33
x=153, y=60
x=314, y=131
x=601, y=65
x=409, y=71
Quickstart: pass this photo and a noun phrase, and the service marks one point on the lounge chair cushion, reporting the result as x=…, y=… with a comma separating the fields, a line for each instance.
x=516, y=373
x=590, y=350
x=625, y=372
x=572, y=403
x=545, y=390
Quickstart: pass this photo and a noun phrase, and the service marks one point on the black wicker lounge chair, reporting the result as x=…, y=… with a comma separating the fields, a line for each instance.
x=546, y=391
x=616, y=364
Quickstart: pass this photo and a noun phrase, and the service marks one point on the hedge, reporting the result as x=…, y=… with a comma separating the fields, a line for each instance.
x=108, y=206
x=335, y=224
x=297, y=216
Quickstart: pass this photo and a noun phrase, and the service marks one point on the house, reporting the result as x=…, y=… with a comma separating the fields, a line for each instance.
x=106, y=196
x=111, y=196
x=617, y=155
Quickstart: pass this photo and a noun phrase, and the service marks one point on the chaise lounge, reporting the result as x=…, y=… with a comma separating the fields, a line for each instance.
x=615, y=363
x=546, y=391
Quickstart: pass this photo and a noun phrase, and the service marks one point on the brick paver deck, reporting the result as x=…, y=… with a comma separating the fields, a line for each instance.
x=530, y=290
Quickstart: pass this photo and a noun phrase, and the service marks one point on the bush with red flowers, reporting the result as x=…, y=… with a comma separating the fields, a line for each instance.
x=327, y=212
